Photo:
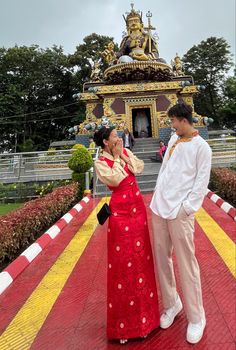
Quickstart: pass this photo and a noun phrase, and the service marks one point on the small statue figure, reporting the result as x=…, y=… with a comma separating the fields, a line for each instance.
x=137, y=52
x=108, y=54
x=177, y=66
x=96, y=74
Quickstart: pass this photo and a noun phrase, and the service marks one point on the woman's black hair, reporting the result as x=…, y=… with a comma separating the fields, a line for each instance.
x=102, y=134
x=181, y=110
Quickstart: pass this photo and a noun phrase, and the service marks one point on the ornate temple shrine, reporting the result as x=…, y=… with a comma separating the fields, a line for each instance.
x=137, y=87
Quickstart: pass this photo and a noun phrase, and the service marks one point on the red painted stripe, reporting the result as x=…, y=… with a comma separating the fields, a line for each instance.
x=61, y=223
x=19, y=291
x=17, y=266
x=73, y=212
x=232, y=212
x=77, y=292
x=219, y=202
x=83, y=303
x=44, y=240
x=210, y=194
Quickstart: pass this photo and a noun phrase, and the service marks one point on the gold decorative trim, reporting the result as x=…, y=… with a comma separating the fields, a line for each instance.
x=85, y=96
x=108, y=111
x=90, y=117
x=137, y=65
x=134, y=103
x=189, y=90
x=137, y=87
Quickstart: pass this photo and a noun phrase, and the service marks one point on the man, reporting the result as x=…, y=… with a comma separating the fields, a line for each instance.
x=179, y=193
x=128, y=139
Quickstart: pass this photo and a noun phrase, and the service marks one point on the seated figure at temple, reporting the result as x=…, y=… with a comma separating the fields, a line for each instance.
x=136, y=32
x=137, y=52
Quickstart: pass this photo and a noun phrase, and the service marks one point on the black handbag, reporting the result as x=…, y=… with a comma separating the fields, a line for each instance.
x=103, y=214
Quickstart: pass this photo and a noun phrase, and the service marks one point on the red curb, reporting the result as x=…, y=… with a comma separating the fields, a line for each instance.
x=73, y=212
x=44, y=240
x=231, y=211
x=17, y=266
x=10, y=273
x=219, y=202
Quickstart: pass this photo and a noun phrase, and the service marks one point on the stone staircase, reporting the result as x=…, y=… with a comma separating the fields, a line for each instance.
x=144, y=149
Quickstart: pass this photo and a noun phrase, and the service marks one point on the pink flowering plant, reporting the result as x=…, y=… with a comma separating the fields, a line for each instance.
x=223, y=182
x=22, y=226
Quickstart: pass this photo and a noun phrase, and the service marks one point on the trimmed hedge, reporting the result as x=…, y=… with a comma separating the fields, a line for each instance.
x=223, y=182
x=21, y=227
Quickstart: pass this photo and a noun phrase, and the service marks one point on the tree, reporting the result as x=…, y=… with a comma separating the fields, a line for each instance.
x=86, y=54
x=227, y=113
x=208, y=63
x=37, y=88
x=33, y=80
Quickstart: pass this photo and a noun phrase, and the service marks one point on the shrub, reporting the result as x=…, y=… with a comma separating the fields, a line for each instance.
x=80, y=161
x=24, y=225
x=77, y=146
x=223, y=181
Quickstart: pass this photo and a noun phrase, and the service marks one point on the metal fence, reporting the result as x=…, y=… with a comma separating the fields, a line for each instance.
x=53, y=165
x=36, y=166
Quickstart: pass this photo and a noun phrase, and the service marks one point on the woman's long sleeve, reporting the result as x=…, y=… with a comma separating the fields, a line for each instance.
x=110, y=176
x=137, y=165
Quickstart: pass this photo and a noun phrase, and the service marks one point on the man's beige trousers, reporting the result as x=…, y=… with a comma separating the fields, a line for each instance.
x=177, y=234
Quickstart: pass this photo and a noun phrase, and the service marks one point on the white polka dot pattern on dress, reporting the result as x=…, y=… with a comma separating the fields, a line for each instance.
x=110, y=305
x=109, y=266
x=137, y=193
x=134, y=210
x=117, y=248
x=131, y=303
x=129, y=264
x=138, y=244
x=115, y=214
x=119, y=286
x=151, y=295
x=144, y=320
x=148, y=257
x=124, y=196
x=122, y=325
x=140, y=280
x=126, y=228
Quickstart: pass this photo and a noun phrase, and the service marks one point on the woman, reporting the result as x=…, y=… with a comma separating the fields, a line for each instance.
x=132, y=302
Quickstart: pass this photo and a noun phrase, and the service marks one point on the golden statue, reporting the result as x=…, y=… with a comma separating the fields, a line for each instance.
x=147, y=49
x=96, y=74
x=177, y=66
x=108, y=54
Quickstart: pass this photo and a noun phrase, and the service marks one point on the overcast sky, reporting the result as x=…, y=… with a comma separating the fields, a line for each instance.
x=180, y=24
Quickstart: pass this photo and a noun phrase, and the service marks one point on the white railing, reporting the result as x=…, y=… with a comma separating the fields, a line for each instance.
x=36, y=166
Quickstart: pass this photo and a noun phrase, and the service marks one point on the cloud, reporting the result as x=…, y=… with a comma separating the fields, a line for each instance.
x=179, y=24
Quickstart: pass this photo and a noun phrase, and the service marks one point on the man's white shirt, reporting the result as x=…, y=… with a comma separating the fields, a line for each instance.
x=183, y=178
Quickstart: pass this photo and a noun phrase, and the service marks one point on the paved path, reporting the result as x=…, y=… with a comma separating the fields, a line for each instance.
x=59, y=301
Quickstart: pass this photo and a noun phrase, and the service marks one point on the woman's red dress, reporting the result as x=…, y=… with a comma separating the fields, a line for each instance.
x=132, y=301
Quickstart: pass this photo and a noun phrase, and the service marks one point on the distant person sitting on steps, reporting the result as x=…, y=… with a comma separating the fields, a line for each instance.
x=160, y=152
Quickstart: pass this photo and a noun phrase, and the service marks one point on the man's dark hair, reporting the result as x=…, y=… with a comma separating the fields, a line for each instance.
x=181, y=110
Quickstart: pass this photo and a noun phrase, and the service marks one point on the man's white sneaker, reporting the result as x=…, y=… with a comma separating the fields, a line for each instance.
x=195, y=331
x=169, y=315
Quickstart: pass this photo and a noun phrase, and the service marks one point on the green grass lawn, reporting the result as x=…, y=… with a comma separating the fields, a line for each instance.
x=6, y=208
